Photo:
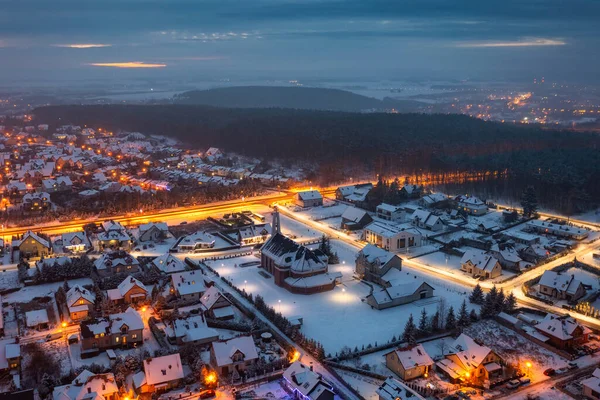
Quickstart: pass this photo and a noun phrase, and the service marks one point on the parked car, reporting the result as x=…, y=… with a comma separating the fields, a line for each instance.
x=550, y=372
x=513, y=384
x=524, y=381
x=562, y=370
x=572, y=365
x=53, y=336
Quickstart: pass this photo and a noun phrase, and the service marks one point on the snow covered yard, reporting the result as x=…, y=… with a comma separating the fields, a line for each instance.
x=9, y=279
x=329, y=210
x=514, y=348
x=271, y=390
x=340, y=317
x=47, y=289
x=364, y=385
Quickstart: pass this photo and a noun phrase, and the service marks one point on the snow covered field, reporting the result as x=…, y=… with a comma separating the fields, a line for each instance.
x=340, y=317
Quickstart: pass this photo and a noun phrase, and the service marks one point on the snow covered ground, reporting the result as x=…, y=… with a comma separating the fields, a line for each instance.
x=363, y=384
x=340, y=317
x=48, y=289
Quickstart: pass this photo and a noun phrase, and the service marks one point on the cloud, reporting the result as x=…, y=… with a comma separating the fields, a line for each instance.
x=531, y=42
x=192, y=58
x=82, y=45
x=130, y=64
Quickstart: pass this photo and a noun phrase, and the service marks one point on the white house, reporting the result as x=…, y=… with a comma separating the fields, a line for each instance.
x=471, y=205
x=188, y=285
x=477, y=263
x=391, y=213
x=391, y=238
x=427, y=220
x=309, y=198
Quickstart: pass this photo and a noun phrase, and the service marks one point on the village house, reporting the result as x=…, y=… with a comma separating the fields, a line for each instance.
x=391, y=238
x=79, y=302
x=487, y=227
x=561, y=286
x=563, y=331
x=309, y=198
x=217, y=306
x=160, y=374
x=235, y=354
x=372, y=263
x=188, y=285
x=305, y=384
x=354, y=218
x=471, y=205
x=37, y=319
x=354, y=194
x=434, y=200
x=534, y=253
x=478, y=264
x=10, y=355
x=391, y=213
x=399, y=293
x=113, y=236
x=32, y=245
x=195, y=242
x=521, y=237
x=36, y=202
x=115, y=262
x=508, y=256
x=152, y=232
x=73, y=242
x=250, y=235
x=88, y=386
x=168, y=264
x=409, y=362
x=411, y=191
x=469, y=361
x=394, y=389
x=130, y=291
x=192, y=329
x=563, y=231
x=591, y=386
x=118, y=330
x=47, y=265
x=59, y=184
x=427, y=220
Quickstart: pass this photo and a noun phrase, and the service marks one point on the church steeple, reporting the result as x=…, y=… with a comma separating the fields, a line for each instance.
x=276, y=221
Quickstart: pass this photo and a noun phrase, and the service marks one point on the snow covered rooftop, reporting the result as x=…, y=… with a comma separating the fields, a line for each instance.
x=188, y=282
x=160, y=370
x=224, y=351
x=413, y=356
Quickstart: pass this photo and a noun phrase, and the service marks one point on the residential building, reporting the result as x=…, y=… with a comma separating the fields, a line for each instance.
x=508, y=256
x=355, y=194
x=471, y=205
x=74, y=242
x=114, y=236
x=160, y=374
x=563, y=331
x=398, y=294
x=394, y=389
x=88, y=386
x=392, y=213
x=116, y=262
x=434, y=200
x=235, y=354
x=32, y=245
x=118, y=330
x=10, y=355
x=309, y=198
x=59, y=184
x=469, y=361
x=372, y=263
x=192, y=329
x=130, y=291
x=152, y=232
x=217, y=306
x=188, y=285
x=168, y=264
x=479, y=264
x=354, y=218
x=197, y=241
x=564, y=231
x=561, y=286
x=591, y=386
x=36, y=202
x=392, y=238
x=37, y=319
x=409, y=362
x=521, y=237
x=80, y=301
x=305, y=384
x=411, y=191
x=427, y=220
x=250, y=235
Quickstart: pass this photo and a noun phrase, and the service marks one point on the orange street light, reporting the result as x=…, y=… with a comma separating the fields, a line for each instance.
x=64, y=324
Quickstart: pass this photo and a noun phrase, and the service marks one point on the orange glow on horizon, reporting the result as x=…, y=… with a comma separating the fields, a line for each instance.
x=130, y=64
x=83, y=45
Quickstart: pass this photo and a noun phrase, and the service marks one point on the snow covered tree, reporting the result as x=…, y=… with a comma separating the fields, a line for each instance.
x=529, y=202
x=510, y=303
x=473, y=315
x=477, y=296
x=410, y=331
x=499, y=303
x=463, y=316
x=489, y=304
x=450, y=319
x=423, y=323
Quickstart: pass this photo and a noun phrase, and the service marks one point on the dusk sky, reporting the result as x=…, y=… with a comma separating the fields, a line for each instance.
x=180, y=39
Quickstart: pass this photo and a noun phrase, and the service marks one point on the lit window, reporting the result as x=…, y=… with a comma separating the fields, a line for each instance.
x=117, y=339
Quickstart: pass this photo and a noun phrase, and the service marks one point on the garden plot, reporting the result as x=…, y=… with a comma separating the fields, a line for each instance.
x=514, y=348
x=340, y=317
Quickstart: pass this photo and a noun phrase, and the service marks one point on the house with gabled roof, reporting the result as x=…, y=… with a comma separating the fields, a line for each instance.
x=409, y=362
x=217, y=306
x=305, y=384
x=563, y=331
x=74, y=242
x=79, y=302
x=192, y=329
x=118, y=330
x=355, y=194
x=113, y=236
x=372, y=263
x=160, y=374
x=479, y=264
x=469, y=361
x=115, y=262
x=32, y=245
x=508, y=256
x=36, y=202
x=561, y=286
x=130, y=291
x=427, y=220
x=591, y=386
x=399, y=293
x=88, y=386
x=392, y=238
x=355, y=218
x=231, y=355
x=152, y=232
x=308, y=198
x=391, y=212
x=395, y=389
x=434, y=200
x=188, y=285
x=168, y=264
x=471, y=205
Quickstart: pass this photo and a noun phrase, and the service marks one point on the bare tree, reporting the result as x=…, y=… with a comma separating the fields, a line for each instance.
x=442, y=310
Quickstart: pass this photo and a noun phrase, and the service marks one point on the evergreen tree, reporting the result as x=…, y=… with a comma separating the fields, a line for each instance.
x=477, y=295
x=510, y=303
x=463, y=316
x=473, y=315
x=489, y=303
x=435, y=322
x=450, y=319
x=410, y=331
x=423, y=323
x=499, y=303
x=529, y=202
x=66, y=286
